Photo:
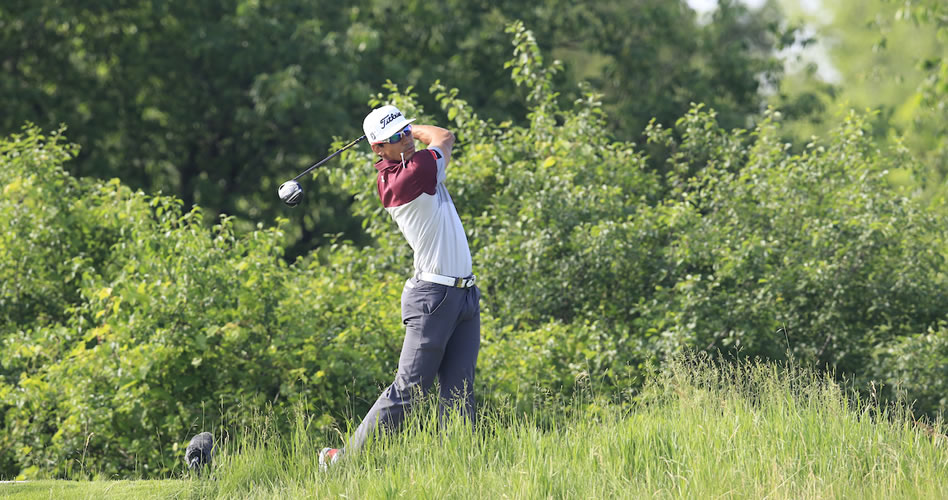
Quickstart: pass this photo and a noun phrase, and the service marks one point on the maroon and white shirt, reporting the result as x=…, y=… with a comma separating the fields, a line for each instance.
x=415, y=196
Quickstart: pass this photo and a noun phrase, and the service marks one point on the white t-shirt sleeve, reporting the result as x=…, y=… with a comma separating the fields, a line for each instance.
x=442, y=165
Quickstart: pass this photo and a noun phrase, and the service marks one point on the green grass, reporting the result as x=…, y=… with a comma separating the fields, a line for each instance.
x=697, y=431
x=96, y=489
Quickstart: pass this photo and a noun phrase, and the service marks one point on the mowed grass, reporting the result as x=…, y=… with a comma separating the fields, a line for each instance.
x=154, y=489
x=698, y=430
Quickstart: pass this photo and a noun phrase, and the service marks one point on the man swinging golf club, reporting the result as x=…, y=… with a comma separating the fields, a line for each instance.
x=440, y=303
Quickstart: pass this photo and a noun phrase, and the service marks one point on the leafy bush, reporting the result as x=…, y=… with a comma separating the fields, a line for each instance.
x=154, y=326
x=129, y=325
x=915, y=368
x=742, y=247
x=811, y=253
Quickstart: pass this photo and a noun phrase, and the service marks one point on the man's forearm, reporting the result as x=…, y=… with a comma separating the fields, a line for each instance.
x=429, y=134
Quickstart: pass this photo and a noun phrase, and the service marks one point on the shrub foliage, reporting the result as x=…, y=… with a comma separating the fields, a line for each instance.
x=128, y=325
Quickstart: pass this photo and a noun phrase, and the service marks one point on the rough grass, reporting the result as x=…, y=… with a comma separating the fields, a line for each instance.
x=698, y=430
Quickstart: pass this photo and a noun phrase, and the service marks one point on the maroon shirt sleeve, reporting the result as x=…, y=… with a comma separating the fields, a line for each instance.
x=399, y=185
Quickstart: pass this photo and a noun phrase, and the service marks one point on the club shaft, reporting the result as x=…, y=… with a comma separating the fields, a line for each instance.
x=324, y=160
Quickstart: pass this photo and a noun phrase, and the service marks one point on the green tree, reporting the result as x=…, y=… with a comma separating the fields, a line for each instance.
x=930, y=103
x=655, y=60
x=648, y=58
x=218, y=103
x=215, y=103
x=889, y=55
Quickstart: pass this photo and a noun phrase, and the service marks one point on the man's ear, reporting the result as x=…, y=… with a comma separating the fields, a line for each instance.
x=376, y=148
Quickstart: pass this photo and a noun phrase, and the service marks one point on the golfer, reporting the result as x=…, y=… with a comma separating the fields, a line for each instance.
x=440, y=303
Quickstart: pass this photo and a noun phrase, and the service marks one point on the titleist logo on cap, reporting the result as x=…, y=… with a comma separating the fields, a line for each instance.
x=382, y=122
x=389, y=119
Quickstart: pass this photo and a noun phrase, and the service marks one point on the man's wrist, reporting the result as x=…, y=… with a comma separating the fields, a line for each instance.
x=420, y=134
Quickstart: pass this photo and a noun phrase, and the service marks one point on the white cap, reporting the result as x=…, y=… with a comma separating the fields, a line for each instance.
x=383, y=123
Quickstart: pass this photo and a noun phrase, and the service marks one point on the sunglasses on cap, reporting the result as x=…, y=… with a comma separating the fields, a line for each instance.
x=397, y=137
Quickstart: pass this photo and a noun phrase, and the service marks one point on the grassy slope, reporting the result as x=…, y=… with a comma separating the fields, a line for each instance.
x=699, y=431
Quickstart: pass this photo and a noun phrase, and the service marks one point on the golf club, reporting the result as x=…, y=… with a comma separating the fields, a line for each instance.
x=292, y=193
x=200, y=451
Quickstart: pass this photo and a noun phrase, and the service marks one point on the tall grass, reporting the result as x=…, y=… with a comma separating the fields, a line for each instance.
x=698, y=430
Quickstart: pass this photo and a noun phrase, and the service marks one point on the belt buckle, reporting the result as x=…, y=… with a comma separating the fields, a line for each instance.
x=465, y=282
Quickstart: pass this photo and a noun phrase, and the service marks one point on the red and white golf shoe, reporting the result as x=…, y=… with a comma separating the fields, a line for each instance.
x=328, y=456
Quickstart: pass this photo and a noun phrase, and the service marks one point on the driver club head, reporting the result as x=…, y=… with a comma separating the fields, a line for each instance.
x=291, y=193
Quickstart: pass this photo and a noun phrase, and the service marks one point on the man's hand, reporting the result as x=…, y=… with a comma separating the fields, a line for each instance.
x=435, y=137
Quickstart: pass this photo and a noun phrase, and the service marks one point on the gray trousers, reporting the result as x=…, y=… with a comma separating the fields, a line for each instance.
x=442, y=338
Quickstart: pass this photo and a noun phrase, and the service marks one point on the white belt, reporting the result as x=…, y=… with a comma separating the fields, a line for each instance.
x=447, y=280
